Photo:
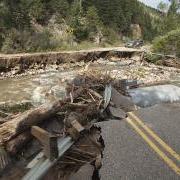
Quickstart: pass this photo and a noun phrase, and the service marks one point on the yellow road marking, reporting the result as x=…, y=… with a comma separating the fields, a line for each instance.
x=156, y=137
x=167, y=160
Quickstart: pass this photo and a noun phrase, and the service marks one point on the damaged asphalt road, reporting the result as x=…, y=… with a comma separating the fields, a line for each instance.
x=78, y=137
x=128, y=156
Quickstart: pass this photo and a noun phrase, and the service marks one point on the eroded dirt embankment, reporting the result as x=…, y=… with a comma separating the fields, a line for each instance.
x=18, y=63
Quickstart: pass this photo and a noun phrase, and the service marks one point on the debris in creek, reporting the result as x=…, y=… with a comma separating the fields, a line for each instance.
x=7, y=109
x=57, y=140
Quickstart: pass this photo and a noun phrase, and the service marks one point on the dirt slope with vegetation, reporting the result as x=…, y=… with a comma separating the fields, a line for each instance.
x=169, y=41
x=41, y=25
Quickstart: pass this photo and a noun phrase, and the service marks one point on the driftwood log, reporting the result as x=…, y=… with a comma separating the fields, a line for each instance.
x=14, y=145
x=24, y=121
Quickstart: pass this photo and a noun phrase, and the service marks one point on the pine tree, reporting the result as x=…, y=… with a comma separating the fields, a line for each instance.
x=93, y=20
x=60, y=7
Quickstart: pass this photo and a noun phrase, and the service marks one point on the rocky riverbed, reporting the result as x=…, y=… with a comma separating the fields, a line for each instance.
x=43, y=85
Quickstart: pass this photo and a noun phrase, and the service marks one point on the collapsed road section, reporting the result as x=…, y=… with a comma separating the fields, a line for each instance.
x=62, y=135
x=55, y=141
x=17, y=64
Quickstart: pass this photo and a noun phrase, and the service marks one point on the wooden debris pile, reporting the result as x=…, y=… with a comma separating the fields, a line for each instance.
x=90, y=98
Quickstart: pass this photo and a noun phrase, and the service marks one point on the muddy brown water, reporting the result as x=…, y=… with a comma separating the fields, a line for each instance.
x=38, y=88
x=45, y=87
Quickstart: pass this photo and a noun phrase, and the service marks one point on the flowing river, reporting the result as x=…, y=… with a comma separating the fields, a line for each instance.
x=37, y=89
x=42, y=88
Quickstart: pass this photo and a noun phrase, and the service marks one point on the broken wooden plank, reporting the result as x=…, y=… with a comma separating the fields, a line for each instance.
x=48, y=141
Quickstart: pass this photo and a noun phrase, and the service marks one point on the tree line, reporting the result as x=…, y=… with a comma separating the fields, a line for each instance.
x=84, y=18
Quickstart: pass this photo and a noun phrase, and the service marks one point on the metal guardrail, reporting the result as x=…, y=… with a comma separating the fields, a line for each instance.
x=43, y=164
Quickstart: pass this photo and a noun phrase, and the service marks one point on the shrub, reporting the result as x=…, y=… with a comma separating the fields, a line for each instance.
x=14, y=41
x=27, y=41
x=110, y=36
x=40, y=41
x=152, y=58
x=79, y=26
x=168, y=44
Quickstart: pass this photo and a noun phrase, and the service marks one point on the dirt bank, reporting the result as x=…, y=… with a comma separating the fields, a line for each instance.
x=21, y=62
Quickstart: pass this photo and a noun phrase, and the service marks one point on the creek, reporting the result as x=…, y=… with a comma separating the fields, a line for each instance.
x=49, y=86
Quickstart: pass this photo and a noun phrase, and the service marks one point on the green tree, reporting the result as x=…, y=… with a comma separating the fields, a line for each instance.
x=169, y=43
x=172, y=20
x=163, y=7
x=17, y=13
x=173, y=7
x=37, y=10
x=60, y=7
x=78, y=22
x=93, y=20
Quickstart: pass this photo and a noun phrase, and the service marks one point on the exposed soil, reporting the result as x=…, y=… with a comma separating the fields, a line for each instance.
x=19, y=63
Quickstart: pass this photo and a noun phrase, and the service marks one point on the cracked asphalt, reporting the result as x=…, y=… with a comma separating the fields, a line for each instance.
x=128, y=156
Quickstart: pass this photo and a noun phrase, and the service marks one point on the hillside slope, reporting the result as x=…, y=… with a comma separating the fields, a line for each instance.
x=40, y=25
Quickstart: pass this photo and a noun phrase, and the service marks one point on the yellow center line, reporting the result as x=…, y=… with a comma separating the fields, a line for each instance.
x=161, y=154
x=156, y=137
